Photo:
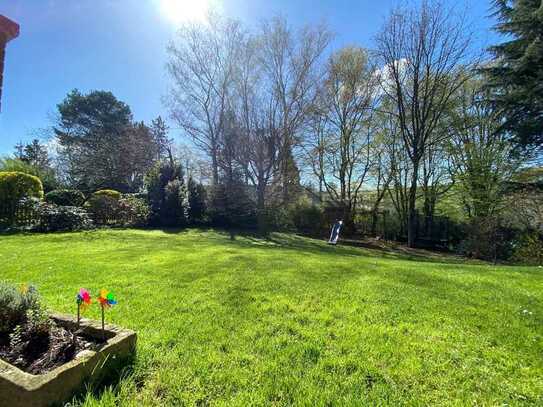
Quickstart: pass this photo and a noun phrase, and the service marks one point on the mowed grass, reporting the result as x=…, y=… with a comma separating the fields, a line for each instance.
x=293, y=321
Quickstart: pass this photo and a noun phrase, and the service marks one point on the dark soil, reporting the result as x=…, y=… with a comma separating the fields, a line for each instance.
x=40, y=354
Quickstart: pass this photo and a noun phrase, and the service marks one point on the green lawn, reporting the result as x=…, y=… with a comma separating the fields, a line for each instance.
x=292, y=321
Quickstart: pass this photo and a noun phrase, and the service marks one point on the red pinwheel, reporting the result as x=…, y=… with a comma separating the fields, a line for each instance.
x=83, y=300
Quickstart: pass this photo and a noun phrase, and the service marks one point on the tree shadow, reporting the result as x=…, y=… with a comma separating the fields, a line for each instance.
x=305, y=244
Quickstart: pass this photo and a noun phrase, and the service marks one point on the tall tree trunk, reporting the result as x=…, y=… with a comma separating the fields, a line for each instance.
x=429, y=209
x=374, y=220
x=412, y=210
x=261, y=207
x=214, y=167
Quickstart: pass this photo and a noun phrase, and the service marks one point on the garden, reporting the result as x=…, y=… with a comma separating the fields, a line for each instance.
x=309, y=224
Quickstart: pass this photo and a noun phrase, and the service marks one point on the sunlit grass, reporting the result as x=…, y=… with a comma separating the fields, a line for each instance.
x=293, y=321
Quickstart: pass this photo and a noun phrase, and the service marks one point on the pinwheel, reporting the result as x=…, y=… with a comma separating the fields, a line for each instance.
x=83, y=300
x=106, y=299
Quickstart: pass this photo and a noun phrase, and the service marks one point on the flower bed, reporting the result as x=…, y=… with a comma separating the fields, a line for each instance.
x=92, y=359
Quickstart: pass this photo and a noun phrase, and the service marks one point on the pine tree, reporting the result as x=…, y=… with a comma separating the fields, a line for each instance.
x=291, y=179
x=516, y=75
x=167, y=195
x=197, y=202
x=175, y=210
x=230, y=205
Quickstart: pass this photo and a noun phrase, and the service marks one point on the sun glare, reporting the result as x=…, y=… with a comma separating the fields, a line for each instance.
x=179, y=11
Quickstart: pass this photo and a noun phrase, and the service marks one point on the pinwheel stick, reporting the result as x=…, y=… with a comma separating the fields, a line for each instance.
x=78, y=315
x=103, y=325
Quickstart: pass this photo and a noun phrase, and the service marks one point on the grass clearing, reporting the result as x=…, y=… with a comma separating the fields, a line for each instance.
x=293, y=321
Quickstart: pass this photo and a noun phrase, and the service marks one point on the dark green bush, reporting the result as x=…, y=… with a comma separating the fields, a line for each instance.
x=167, y=195
x=487, y=239
x=231, y=207
x=197, y=202
x=103, y=207
x=15, y=304
x=65, y=197
x=528, y=249
x=175, y=209
x=55, y=218
x=14, y=186
x=307, y=218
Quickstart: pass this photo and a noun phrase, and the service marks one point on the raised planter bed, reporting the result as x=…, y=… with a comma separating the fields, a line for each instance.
x=21, y=389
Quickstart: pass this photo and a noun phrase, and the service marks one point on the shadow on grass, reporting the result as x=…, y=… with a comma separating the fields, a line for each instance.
x=251, y=239
x=345, y=248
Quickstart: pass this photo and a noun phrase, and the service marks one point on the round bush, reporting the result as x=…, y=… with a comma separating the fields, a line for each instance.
x=65, y=197
x=103, y=206
x=15, y=186
x=111, y=193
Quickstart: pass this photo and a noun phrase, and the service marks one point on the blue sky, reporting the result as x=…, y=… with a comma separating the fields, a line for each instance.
x=119, y=45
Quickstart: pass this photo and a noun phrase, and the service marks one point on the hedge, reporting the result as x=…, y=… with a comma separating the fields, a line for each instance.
x=15, y=186
x=65, y=197
x=111, y=193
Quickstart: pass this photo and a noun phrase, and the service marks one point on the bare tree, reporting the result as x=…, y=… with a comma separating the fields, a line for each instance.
x=290, y=62
x=259, y=147
x=381, y=173
x=202, y=61
x=399, y=169
x=343, y=137
x=422, y=50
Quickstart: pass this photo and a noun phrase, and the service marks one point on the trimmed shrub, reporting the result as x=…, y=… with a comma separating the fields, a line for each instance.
x=111, y=193
x=106, y=210
x=14, y=186
x=55, y=218
x=103, y=209
x=46, y=175
x=15, y=304
x=65, y=197
x=133, y=211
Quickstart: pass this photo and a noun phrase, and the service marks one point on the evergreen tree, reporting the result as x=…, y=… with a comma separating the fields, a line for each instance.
x=516, y=75
x=33, y=159
x=291, y=179
x=230, y=205
x=35, y=154
x=197, y=201
x=159, y=130
x=167, y=194
x=175, y=210
x=100, y=146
